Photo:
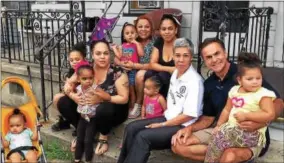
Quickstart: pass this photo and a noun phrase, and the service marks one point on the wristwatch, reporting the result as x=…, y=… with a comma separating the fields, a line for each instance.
x=164, y=124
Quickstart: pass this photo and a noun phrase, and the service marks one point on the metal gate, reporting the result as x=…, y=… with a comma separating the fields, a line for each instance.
x=241, y=29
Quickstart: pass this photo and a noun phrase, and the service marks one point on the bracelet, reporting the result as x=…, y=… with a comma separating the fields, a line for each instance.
x=164, y=124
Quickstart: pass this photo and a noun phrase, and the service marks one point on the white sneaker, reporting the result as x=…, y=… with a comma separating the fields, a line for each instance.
x=135, y=112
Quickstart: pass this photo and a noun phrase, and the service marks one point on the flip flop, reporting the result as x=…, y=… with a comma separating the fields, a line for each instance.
x=101, y=142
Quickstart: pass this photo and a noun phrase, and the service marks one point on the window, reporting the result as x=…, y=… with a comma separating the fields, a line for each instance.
x=142, y=7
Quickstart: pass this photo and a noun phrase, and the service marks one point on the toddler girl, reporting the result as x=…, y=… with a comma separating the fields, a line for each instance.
x=86, y=129
x=85, y=75
x=154, y=104
x=248, y=101
x=129, y=51
x=19, y=136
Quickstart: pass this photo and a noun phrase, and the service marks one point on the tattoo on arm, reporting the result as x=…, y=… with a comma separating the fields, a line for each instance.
x=126, y=84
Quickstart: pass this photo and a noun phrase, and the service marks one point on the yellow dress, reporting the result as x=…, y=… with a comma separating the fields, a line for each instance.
x=230, y=135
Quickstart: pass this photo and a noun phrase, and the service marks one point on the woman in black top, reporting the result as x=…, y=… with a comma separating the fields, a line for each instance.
x=162, y=63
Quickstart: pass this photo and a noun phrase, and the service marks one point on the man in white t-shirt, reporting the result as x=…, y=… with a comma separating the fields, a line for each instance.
x=184, y=106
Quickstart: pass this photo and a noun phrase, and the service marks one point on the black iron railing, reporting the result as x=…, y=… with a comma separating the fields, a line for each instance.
x=24, y=32
x=44, y=38
x=241, y=29
x=49, y=53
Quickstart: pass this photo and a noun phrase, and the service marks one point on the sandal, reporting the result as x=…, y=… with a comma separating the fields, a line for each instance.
x=100, y=144
x=73, y=145
x=135, y=112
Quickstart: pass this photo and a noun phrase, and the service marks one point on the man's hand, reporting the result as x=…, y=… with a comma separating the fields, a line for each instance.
x=250, y=126
x=181, y=136
x=214, y=131
x=240, y=116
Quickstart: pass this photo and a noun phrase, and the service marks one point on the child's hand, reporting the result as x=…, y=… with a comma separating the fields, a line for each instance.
x=240, y=116
x=134, y=41
x=114, y=46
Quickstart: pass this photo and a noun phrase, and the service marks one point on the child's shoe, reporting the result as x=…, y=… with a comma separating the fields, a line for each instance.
x=135, y=112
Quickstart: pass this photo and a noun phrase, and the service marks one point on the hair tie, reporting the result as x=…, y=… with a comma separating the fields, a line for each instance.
x=80, y=64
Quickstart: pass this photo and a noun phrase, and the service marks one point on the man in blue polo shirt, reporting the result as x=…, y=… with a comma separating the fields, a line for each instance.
x=192, y=141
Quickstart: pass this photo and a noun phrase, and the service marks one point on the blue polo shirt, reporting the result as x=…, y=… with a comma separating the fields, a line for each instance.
x=216, y=94
x=216, y=91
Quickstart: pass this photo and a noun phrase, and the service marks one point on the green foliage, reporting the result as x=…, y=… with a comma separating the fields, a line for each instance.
x=54, y=150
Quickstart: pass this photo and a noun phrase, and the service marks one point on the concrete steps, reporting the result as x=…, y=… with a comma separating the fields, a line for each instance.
x=275, y=153
x=115, y=139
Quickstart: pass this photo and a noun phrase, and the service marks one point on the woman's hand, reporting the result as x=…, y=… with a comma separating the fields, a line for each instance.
x=127, y=65
x=77, y=98
x=92, y=97
x=68, y=86
x=102, y=94
x=154, y=125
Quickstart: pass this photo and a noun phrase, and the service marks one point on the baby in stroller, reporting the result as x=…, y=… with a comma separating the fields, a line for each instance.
x=19, y=139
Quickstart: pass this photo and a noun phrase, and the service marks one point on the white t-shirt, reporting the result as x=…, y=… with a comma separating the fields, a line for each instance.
x=185, y=95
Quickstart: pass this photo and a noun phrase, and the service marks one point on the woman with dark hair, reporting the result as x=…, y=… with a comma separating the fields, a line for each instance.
x=112, y=97
x=161, y=62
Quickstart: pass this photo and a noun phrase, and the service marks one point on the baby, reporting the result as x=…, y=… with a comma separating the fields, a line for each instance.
x=19, y=137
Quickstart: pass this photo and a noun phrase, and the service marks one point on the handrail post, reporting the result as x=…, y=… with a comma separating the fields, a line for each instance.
x=83, y=20
x=41, y=62
x=72, y=22
x=8, y=37
x=269, y=12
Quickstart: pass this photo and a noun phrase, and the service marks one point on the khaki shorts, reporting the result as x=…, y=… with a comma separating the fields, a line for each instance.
x=204, y=137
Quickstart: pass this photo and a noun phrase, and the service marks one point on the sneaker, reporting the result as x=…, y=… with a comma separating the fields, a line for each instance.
x=135, y=112
x=60, y=125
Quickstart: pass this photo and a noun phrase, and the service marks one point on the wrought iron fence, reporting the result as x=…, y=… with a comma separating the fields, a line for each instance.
x=44, y=38
x=23, y=32
x=241, y=29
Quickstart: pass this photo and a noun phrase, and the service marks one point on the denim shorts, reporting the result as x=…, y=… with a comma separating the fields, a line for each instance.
x=131, y=76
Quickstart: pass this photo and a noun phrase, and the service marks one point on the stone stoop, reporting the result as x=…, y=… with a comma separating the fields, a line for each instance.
x=274, y=154
x=115, y=139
